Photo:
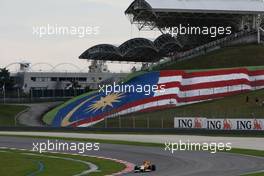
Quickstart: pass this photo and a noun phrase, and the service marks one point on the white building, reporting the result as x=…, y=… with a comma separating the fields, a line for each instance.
x=28, y=80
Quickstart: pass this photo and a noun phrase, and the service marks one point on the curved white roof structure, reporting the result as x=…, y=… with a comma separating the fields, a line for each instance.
x=208, y=5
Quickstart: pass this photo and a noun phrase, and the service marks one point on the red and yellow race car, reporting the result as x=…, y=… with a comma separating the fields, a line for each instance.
x=146, y=167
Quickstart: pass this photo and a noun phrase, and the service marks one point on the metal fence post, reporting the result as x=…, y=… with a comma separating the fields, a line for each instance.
x=134, y=122
x=4, y=95
x=18, y=94
x=119, y=118
x=31, y=95
x=148, y=122
x=106, y=122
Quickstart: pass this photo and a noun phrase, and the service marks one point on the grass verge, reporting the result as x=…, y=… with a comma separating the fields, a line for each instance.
x=17, y=162
x=8, y=114
x=255, y=174
x=236, y=56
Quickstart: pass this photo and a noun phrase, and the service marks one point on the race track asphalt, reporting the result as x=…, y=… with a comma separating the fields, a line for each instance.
x=32, y=117
x=177, y=164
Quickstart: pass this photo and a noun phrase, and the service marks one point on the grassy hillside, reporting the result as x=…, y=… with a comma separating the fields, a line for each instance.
x=250, y=56
x=230, y=107
x=8, y=113
x=246, y=55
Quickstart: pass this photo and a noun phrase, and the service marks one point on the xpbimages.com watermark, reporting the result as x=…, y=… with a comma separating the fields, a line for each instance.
x=60, y=146
x=211, y=147
x=59, y=30
x=212, y=31
x=125, y=88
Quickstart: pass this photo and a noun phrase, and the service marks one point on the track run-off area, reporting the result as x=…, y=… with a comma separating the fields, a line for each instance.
x=184, y=163
x=18, y=161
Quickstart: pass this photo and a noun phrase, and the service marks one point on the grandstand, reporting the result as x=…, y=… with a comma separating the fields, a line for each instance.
x=244, y=17
x=240, y=14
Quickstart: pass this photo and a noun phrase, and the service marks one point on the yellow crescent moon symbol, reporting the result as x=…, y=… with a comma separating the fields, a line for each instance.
x=66, y=120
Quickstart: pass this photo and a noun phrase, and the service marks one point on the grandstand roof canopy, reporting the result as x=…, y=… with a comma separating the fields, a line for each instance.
x=224, y=6
x=151, y=14
x=135, y=50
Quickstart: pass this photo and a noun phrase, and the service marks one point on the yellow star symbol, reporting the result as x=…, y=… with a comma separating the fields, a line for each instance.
x=105, y=101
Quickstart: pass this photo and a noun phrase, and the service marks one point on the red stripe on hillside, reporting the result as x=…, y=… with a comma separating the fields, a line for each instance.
x=169, y=85
x=257, y=83
x=168, y=73
x=256, y=73
x=209, y=85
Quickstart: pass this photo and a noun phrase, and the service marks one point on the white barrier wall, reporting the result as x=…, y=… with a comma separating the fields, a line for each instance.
x=218, y=124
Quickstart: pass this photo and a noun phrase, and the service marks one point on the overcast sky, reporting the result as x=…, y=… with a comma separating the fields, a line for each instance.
x=19, y=17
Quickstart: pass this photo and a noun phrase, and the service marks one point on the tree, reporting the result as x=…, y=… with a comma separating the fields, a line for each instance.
x=5, y=79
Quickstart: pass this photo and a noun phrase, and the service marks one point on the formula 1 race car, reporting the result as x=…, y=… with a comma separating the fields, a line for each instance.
x=146, y=167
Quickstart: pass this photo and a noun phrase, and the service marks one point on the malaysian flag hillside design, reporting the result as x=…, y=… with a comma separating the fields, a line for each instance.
x=181, y=88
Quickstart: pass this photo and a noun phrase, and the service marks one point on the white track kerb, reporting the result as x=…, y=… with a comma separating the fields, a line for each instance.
x=92, y=167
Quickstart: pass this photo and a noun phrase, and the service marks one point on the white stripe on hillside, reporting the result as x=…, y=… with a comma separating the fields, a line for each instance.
x=163, y=80
x=207, y=91
x=210, y=79
x=258, y=87
x=256, y=78
x=173, y=90
x=205, y=79
x=211, y=91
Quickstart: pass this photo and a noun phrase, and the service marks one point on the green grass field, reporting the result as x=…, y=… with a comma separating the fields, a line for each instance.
x=8, y=113
x=247, y=55
x=230, y=107
x=14, y=163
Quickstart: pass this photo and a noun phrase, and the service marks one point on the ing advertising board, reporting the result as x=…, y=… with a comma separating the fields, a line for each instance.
x=218, y=124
